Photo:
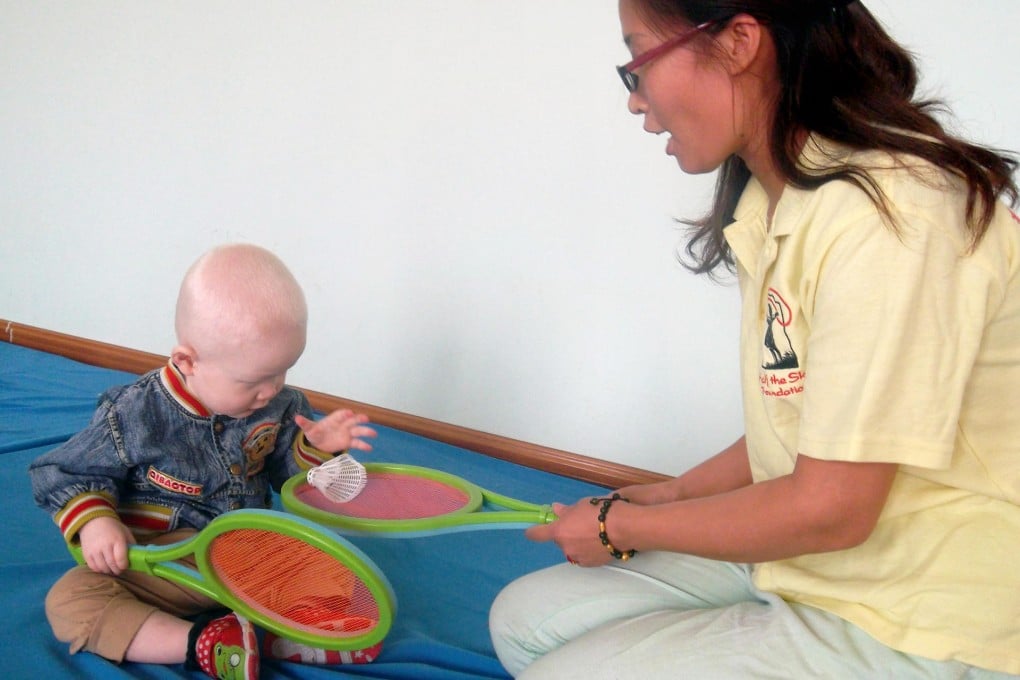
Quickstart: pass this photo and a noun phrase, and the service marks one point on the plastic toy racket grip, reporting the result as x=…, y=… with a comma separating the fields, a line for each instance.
x=334, y=553
x=159, y=560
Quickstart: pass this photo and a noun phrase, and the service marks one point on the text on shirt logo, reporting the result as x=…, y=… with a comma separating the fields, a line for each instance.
x=165, y=481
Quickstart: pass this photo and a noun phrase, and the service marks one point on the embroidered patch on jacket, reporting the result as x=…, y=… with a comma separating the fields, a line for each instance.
x=172, y=484
x=259, y=444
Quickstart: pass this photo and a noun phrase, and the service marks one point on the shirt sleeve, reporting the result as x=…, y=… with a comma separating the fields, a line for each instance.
x=79, y=480
x=896, y=325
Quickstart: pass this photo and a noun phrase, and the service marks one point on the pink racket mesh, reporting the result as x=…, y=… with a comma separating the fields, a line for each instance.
x=392, y=495
x=293, y=582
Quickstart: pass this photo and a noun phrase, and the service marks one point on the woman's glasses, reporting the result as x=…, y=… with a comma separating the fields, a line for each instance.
x=630, y=79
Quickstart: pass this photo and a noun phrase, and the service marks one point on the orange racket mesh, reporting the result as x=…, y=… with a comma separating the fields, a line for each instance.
x=392, y=495
x=293, y=582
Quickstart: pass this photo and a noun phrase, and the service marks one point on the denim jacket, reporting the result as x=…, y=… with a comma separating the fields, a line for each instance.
x=154, y=457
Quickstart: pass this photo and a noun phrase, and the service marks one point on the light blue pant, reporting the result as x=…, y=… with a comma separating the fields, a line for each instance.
x=664, y=615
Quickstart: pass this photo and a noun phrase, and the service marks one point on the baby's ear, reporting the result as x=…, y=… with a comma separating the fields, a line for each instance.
x=184, y=357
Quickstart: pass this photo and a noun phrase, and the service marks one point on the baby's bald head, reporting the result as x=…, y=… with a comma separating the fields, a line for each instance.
x=239, y=294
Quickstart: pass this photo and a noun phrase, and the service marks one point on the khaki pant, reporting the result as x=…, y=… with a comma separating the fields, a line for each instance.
x=101, y=613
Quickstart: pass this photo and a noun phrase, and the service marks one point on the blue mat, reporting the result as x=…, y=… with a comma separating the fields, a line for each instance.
x=444, y=584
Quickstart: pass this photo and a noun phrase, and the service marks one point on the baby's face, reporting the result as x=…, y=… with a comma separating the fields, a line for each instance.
x=237, y=384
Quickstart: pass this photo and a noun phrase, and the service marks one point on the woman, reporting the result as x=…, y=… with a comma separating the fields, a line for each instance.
x=868, y=523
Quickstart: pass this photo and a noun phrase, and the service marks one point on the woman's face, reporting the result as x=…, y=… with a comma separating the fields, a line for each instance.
x=684, y=93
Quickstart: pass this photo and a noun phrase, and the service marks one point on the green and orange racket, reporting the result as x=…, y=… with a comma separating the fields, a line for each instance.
x=400, y=501
x=283, y=573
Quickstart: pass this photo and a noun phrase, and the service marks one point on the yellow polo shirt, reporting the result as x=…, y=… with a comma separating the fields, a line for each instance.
x=861, y=344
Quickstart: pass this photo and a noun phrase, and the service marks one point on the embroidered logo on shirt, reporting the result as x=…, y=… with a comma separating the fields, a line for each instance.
x=778, y=318
x=259, y=444
x=781, y=375
x=165, y=481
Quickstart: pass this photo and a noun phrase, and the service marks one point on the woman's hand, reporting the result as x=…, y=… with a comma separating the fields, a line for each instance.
x=576, y=532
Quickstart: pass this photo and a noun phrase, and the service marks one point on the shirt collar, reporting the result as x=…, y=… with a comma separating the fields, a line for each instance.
x=749, y=229
x=173, y=381
x=746, y=234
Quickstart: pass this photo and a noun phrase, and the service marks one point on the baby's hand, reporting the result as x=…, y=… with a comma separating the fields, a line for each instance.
x=104, y=544
x=341, y=429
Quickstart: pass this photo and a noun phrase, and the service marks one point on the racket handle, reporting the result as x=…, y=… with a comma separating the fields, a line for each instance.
x=76, y=553
x=136, y=557
x=146, y=558
x=158, y=561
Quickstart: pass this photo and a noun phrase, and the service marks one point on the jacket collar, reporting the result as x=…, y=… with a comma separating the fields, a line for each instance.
x=173, y=381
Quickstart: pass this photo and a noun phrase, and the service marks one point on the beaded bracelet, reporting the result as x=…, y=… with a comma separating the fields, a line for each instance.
x=603, y=536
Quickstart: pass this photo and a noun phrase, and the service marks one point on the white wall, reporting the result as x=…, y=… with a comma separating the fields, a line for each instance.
x=483, y=232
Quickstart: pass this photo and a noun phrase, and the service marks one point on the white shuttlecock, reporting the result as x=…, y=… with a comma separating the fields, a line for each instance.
x=339, y=479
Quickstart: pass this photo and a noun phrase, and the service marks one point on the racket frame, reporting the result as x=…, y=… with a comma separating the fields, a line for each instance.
x=160, y=561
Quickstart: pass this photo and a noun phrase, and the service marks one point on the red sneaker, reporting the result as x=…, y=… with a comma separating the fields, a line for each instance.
x=275, y=647
x=227, y=649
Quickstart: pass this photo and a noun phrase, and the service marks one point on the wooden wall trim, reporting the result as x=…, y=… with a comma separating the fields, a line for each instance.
x=606, y=473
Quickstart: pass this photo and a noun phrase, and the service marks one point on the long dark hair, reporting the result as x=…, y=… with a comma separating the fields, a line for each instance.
x=840, y=76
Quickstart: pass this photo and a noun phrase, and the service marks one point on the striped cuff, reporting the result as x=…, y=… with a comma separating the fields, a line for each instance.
x=145, y=519
x=81, y=509
x=307, y=456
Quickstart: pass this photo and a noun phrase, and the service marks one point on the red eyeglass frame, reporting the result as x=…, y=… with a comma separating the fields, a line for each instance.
x=630, y=79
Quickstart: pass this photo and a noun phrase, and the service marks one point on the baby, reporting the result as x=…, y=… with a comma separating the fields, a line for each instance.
x=214, y=430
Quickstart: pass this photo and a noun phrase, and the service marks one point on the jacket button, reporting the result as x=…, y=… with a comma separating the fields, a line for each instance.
x=217, y=427
x=235, y=505
x=235, y=470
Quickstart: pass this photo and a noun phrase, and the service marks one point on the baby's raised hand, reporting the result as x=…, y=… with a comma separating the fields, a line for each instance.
x=104, y=545
x=342, y=429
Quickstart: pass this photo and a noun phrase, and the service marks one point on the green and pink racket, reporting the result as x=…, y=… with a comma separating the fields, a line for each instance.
x=283, y=573
x=401, y=501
